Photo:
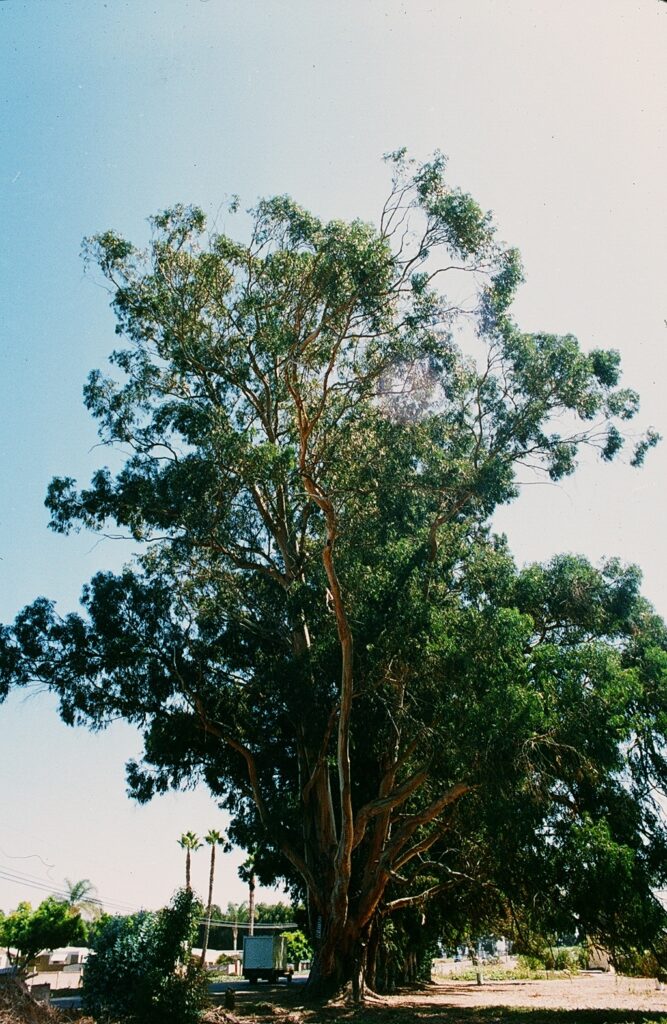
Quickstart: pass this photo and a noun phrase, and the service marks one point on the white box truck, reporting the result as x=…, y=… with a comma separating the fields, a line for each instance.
x=265, y=956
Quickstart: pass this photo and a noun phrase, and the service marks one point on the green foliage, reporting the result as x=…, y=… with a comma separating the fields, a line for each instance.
x=141, y=970
x=323, y=628
x=81, y=898
x=297, y=947
x=555, y=958
x=190, y=841
x=643, y=963
x=272, y=913
x=224, y=922
x=51, y=925
x=406, y=949
x=522, y=972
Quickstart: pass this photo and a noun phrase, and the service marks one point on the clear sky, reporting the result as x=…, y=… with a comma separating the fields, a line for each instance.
x=553, y=115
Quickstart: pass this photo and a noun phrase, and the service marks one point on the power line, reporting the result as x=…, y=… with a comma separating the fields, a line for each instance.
x=9, y=874
x=31, y=883
x=215, y=921
x=22, y=878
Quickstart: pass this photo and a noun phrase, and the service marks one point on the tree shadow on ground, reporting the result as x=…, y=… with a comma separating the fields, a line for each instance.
x=423, y=1013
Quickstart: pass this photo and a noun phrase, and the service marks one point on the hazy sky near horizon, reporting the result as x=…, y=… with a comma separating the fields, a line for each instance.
x=553, y=115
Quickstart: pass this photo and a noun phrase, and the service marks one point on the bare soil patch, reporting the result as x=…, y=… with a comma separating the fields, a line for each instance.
x=581, y=999
x=581, y=991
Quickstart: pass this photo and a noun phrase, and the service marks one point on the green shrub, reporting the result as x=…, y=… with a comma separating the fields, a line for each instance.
x=297, y=947
x=495, y=973
x=642, y=963
x=554, y=958
x=141, y=969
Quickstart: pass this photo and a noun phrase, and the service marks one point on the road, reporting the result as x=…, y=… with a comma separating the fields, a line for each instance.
x=216, y=988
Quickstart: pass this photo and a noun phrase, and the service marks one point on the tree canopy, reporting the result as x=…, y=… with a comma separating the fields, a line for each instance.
x=26, y=932
x=319, y=622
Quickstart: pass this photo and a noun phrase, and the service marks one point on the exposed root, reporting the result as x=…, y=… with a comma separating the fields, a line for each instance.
x=345, y=998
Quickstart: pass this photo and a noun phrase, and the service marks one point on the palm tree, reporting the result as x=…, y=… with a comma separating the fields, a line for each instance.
x=213, y=838
x=189, y=841
x=237, y=912
x=247, y=874
x=80, y=898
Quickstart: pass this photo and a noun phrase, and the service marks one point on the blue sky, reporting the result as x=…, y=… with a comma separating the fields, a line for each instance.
x=552, y=115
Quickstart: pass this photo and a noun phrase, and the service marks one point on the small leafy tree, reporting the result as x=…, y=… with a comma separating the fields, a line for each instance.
x=26, y=932
x=141, y=970
x=297, y=946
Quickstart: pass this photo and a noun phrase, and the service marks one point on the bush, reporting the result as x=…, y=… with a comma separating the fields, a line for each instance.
x=141, y=969
x=554, y=958
x=643, y=963
x=297, y=947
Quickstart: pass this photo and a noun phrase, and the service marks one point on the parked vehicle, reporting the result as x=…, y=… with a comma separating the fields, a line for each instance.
x=265, y=956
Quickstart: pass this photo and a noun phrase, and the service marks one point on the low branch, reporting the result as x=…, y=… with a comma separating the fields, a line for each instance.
x=410, y=901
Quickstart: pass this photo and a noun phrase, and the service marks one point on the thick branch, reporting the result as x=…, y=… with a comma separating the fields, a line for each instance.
x=411, y=901
x=428, y=814
x=387, y=803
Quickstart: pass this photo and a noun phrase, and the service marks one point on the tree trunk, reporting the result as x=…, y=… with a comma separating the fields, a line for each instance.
x=340, y=959
x=372, y=952
x=187, y=870
x=207, y=926
x=251, y=903
x=359, y=971
x=331, y=970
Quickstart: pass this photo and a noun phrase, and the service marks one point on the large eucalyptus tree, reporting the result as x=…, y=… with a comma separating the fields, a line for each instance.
x=318, y=623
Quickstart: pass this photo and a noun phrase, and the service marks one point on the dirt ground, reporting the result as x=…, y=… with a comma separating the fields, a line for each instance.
x=583, y=991
x=455, y=1002
x=600, y=998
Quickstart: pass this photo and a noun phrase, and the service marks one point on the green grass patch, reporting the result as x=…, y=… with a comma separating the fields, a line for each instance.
x=503, y=974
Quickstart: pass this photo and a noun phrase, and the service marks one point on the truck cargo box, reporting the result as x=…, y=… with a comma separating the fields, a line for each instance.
x=265, y=956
